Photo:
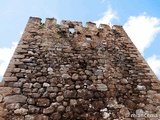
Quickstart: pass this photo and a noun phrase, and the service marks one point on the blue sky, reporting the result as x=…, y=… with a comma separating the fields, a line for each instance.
x=140, y=19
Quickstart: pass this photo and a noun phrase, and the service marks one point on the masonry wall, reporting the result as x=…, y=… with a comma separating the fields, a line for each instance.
x=84, y=73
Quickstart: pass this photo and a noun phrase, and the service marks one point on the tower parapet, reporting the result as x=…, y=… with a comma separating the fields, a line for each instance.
x=87, y=73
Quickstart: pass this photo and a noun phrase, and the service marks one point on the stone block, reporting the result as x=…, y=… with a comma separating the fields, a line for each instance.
x=101, y=87
x=33, y=109
x=4, y=91
x=30, y=117
x=23, y=46
x=13, y=106
x=3, y=112
x=18, y=56
x=10, y=79
x=48, y=110
x=41, y=117
x=43, y=102
x=21, y=111
x=15, y=99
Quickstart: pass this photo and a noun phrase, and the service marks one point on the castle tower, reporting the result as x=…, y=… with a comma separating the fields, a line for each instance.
x=85, y=73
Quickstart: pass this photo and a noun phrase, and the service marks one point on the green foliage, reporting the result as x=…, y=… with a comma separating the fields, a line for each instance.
x=100, y=29
x=57, y=38
x=86, y=28
x=40, y=25
x=57, y=25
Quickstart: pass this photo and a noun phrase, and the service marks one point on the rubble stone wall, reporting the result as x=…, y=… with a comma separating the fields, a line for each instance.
x=66, y=71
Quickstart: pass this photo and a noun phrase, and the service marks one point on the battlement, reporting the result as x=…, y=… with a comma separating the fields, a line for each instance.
x=51, y=23
x=67, y=71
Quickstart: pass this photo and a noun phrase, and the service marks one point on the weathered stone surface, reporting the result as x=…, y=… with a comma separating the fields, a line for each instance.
x=36, y=95
x=141, y=87
x=17, y=84
x=91, y=73
x=85, y=94
x=157, y=96
x=124, y=81
x=2, y=118
x=41, y=117
x=50, y=69
x=60, y=108
x=66, y=76
x=98, y=105
x=3, y=112
x=27, y=85
x=151, y=92
x=19, y=75
x=73, y=102
x=13, y=106
x=48, y=110
x=1, y=98
x=30, y=117
x=31, y=101
x=101, y=87
x=15, y=99
x=88, y=72
x=70, y=94
x=52, y=95
x=105, y=113
x=33, y=109
x=16, y=70
x=21, y=111
x=16, y=90
x=2, y=84
x=55, y=116
x=18, y=56
x=16, y=117
x=124, y=112
x=52, y=89
x=37, y=85
x=59, y=98
x=43, y=102
x=10, y=79
x=46, y=84
x=75, y=76
x=155, y=86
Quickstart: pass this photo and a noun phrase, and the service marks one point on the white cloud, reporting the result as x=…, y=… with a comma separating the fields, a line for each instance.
x=21, y=33
x=142, y=30
x=102, y=1
x=5, y=56
x=107, y=17
x=154, y=63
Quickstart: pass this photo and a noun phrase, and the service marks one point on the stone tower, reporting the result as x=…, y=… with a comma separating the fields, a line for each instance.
x=85, y=73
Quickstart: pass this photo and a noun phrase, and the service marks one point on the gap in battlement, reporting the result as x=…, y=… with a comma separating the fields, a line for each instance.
x=71, y=30
x=88, y=37
x=43, y=20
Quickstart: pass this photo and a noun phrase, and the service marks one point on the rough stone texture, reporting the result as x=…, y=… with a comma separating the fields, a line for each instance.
x=15, y=99
x=4, y=91
x=43, y=102
x=89, y=74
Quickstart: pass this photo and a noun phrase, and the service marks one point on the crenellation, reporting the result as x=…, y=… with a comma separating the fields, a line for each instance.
x=91, y=26
x=88, y=73
x=78, y=28
x=105, y=29
x=119, y=29
x=33, y=21
x=66, y=24
x=50, y=23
